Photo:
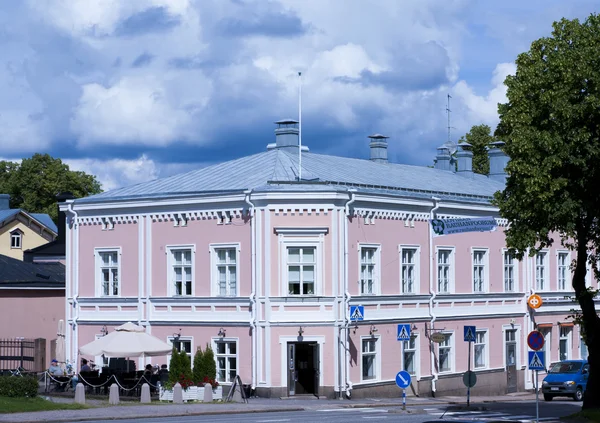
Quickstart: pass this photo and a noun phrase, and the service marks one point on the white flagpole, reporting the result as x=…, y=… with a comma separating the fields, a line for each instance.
x=299, y=126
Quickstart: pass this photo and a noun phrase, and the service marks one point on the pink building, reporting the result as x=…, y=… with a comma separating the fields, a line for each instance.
x=264, y=260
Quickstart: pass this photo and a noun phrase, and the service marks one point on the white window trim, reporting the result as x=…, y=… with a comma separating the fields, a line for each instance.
x=546, y=264
x=170, y=340
x=16, y=234
x=98, y=274
x=486, y=269
x=286, y=242
x=486, y=349
x=377, y=265
x=377, y=339
x=568, y=264
x=417, y=355
x=169, y=252
x=452, y=353
x=214, y=275
x=452, y=268
x=568, y=338
x=515, y=272
x=417, y=281
x=214, y=342
x=517, y=330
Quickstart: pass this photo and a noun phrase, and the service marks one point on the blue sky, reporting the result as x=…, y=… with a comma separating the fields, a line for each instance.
x=139, y=89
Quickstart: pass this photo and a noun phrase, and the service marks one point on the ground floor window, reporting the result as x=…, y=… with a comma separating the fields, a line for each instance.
x=226, y=358
x=445, y=353
x=409, y=355
x=369, y=359
x=479, y=349
x=564, y=343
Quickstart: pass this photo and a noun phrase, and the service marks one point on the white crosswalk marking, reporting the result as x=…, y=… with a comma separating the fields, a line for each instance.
x=487, y=415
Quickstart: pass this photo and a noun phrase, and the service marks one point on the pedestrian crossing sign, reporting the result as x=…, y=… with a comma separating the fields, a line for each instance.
x=357, y=313
x=469, y=333
x=403, y=332
x=536, y=360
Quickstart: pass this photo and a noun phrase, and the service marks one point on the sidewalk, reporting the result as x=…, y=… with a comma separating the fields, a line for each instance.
x=100, y=409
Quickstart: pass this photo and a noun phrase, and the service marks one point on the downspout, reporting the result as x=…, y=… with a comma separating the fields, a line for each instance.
x=432, y=315
x=252, y=297
x=73, y=269
x=347, y=297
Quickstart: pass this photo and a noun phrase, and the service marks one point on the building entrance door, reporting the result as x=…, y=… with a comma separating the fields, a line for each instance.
x=303, y=368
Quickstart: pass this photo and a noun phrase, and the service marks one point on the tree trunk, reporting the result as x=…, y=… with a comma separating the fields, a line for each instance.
x=590, y=322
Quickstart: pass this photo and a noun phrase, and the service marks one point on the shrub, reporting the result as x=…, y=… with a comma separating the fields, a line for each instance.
x=197, y=374
x=18, y=386
x=209, y=366
x=185, y=365
x=174, y=367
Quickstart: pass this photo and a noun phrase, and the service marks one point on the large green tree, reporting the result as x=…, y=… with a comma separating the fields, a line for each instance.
x=551, y=126
x=480, y=137
x=34, y=183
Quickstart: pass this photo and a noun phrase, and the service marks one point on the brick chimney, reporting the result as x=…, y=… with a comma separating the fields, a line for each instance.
x=379, y=148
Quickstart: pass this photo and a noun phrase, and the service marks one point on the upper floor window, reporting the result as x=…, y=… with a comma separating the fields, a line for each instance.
x=301, y=263
x=225, y=270
x=444, y=274
x=563, y=270
x=181, y=266
x=369, y=269
x=16, y=238
x=540, y=271
x=510, y=272
x=479, y=270
x=108, y=271
x=409, y=271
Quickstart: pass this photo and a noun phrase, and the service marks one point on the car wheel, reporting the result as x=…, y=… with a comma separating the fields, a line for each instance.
x=578, y=396
x=548, y=397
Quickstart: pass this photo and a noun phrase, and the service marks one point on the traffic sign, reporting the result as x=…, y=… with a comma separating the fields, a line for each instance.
x=403, y=332
x=469, y=333
x=469, y=379
x=534, y=301
x=403, y=379
x=537, y=360
x=357, y=313
x=535, y=340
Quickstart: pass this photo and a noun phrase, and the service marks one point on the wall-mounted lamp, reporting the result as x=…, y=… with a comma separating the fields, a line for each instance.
x=176, y=336
x=221, y=332
x=372, y=330
x=300, y=331
x=355, y=328
x=104, y=331
x=414, y=327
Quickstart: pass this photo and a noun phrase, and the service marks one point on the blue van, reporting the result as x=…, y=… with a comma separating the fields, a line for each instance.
x=566, y=379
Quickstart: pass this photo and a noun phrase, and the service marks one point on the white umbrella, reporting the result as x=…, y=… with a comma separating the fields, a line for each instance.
x=128, y=340
x=60, y=343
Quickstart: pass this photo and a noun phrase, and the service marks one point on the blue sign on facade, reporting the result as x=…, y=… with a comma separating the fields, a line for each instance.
x=357, y=313
x=469, y=333
x=403, y=332
x=537, y=360
x=403, y=379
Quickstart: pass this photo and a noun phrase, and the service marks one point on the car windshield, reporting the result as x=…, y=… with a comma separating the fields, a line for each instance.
x=565, y=368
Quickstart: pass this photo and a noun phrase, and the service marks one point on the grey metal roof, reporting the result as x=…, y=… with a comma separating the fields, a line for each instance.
x=277, y=169
x=18, y=274
x=42, y=218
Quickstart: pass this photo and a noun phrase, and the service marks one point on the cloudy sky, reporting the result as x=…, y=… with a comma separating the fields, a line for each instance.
x=133, y=90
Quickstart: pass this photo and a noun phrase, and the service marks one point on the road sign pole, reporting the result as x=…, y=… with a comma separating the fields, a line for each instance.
x=469, y=368
x=537, y=399
x=404, y=399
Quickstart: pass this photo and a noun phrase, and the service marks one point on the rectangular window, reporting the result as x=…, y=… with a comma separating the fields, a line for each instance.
x=540, y=271
x=409, y=355
x=182, y=345
x=479, y=270
x=369, y=359
x=564, y=343
x=409, y=270
x=108, y=270
x=368, y=270
x=510, y=343
x=226, y=359
x=510, y=272
x=181, y=271
x=444, y=265
x=301, y=263
x=15, y=240
x=479, y=350
x=226, y=271
x=445, y=354
x=563, y=267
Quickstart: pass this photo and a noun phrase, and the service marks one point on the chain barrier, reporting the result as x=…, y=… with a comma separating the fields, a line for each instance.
x=143, y=378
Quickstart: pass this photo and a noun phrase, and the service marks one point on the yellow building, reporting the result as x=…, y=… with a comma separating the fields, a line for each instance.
x=21, y=231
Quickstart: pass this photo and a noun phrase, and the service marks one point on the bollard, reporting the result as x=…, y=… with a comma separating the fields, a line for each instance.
x=113, y=397
x=145, y=399
x=80, y=394
x=208, y=394
x=177, y=394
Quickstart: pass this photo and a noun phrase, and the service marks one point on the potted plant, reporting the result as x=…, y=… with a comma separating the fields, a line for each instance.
x=180, y=371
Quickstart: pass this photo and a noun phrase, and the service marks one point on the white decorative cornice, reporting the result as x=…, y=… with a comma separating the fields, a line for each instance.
x=299, y=210
x=224, y=215
x=391, y=214
x=107, y=220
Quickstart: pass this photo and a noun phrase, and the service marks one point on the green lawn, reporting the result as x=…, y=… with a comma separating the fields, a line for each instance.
x=21, y=405
x=587, y=416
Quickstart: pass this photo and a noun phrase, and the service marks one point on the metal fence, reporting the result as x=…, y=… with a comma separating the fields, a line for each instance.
x=27, y=354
